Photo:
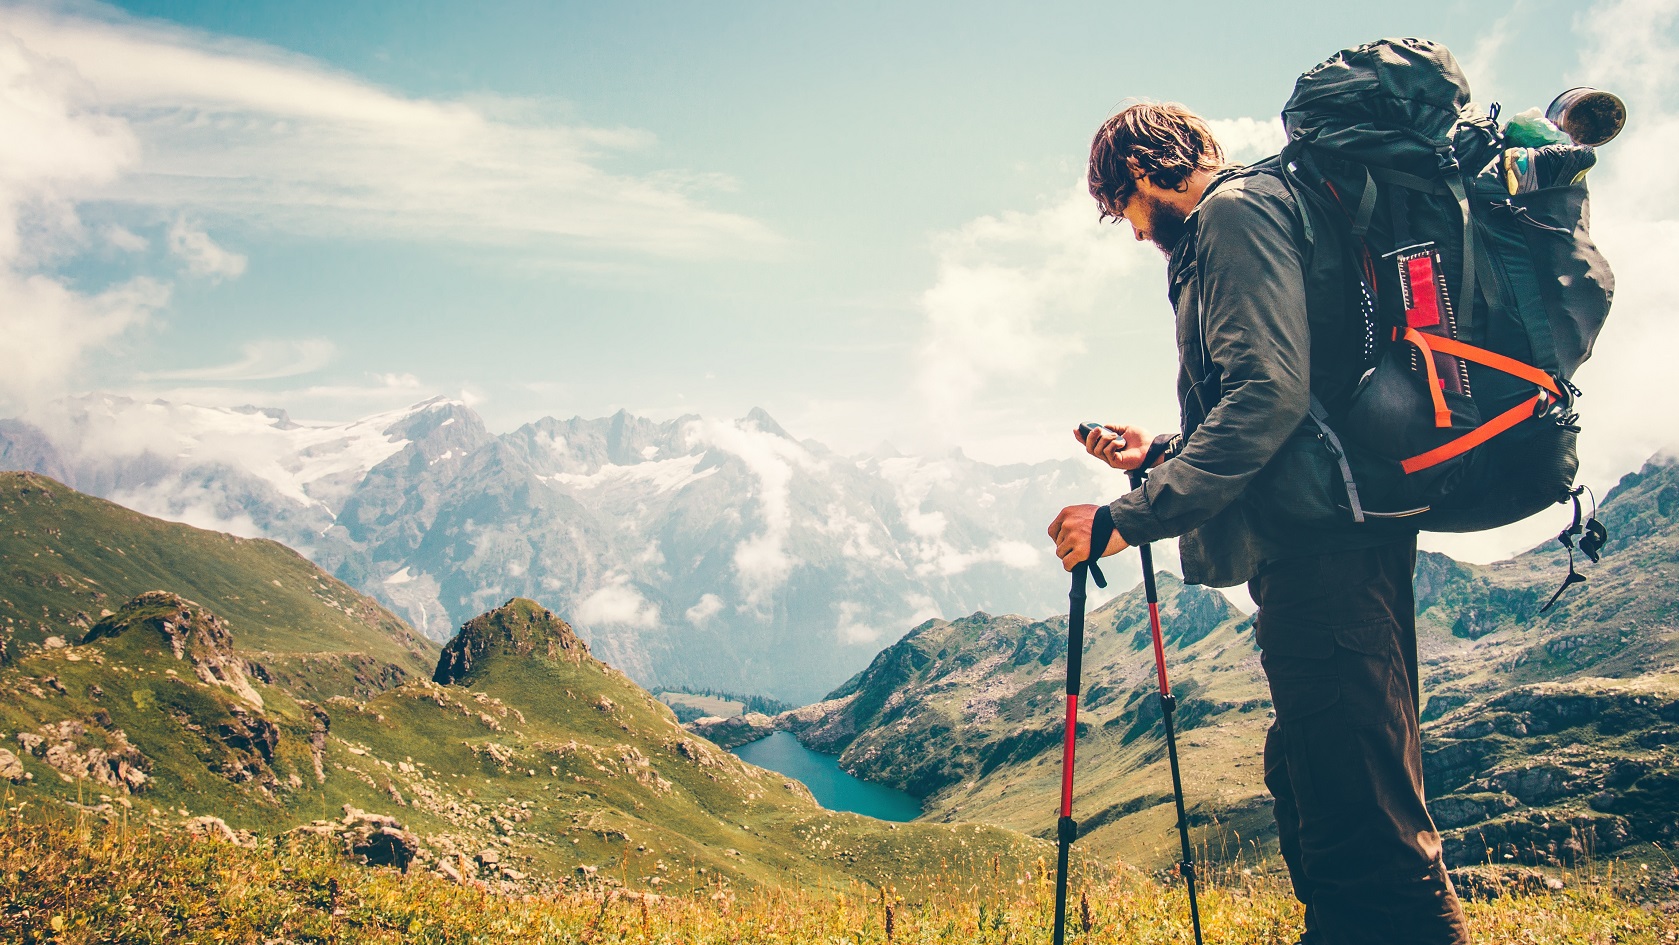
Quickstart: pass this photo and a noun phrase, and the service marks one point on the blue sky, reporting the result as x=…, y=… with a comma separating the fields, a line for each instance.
x=864, y=218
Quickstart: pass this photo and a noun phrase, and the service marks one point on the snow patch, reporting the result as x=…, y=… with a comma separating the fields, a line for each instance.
x=308, y=463
x=666, y=475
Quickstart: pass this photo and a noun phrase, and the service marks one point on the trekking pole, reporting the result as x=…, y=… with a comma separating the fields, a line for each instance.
x=1066, y=829
x=1168, y=705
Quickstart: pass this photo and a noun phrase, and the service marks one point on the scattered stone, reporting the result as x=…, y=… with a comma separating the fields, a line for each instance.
x=114, y=763
x=379, y=840
x=214, y=828
x=1492, y=881
x=11, y=768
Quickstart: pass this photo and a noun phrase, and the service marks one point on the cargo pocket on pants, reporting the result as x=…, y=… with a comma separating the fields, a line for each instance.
x=1300, y=667
x=1371, y=672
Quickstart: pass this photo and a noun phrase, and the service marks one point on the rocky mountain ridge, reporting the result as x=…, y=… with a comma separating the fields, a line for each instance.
x=691, y=552
x=68, y=559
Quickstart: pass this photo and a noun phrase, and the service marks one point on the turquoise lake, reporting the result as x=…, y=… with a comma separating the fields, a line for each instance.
x=833, y=787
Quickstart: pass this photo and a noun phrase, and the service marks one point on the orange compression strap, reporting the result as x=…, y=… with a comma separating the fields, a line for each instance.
x=1473, y=438
x=1442, y=413
x=1496, y=361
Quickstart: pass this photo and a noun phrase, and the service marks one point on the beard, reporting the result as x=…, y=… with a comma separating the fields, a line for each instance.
x=1166, y=225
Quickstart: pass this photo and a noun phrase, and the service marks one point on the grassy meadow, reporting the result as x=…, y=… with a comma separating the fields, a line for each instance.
x=76, y=879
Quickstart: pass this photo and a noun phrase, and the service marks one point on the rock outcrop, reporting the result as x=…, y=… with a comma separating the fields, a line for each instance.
x=374, y=839
x=78, y=752
x=191, y=633
x=520, y=628
x=1556, y=773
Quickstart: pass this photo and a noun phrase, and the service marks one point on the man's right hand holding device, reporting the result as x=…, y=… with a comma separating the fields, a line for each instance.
x=1119, y=446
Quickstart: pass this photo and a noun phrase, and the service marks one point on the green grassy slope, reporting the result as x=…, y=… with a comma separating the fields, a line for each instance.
x=67, y=558
x=537, y=765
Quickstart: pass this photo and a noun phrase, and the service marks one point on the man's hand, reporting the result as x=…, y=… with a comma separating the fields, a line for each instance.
x=1119, y=446
x=1071, y=533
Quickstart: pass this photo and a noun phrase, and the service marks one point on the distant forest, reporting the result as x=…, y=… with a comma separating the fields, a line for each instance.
x=687, y=713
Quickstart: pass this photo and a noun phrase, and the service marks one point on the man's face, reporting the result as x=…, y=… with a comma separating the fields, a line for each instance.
x=1153, y=219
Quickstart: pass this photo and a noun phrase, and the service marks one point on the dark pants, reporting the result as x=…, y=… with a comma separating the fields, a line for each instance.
x=1338, y=641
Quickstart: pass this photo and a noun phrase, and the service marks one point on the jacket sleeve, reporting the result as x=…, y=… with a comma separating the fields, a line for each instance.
x=1252, y=296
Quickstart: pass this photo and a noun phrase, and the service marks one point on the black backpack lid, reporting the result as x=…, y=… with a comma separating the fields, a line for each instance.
x=1389, y=103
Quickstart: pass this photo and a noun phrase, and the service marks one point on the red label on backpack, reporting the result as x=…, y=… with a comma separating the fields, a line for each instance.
x=1424, y=310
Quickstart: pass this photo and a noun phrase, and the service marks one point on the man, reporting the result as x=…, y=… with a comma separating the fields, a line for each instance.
x=1259, y=334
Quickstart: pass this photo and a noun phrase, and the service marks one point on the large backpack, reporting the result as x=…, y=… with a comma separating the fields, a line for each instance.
x=1478, y=305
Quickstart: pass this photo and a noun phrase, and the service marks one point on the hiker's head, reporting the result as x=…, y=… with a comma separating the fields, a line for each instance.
x=1144, y=163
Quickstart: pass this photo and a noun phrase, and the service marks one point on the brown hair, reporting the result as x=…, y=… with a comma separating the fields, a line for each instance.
x=1168, y=141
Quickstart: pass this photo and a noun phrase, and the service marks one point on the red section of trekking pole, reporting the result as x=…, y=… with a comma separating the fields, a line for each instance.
x=1067, y=755
x=1168, y=705
x=1154, y=628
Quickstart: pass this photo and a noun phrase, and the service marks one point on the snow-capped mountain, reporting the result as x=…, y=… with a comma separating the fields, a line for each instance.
x=689, y=551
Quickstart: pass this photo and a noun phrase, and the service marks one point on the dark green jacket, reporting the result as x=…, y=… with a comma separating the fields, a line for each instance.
x=1259, y=329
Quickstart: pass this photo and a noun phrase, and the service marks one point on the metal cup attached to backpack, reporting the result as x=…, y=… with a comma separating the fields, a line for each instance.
x=1591, y=117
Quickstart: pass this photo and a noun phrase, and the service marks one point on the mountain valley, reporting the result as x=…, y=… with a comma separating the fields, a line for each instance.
x=1548, y=736
x=517, y=760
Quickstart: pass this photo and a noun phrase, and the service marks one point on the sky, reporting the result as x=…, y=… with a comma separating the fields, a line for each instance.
x=867, y=219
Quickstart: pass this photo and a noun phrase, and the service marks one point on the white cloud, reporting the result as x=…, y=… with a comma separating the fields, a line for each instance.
x=930, y=552
x=1012, y=289
x=854, y=538
x=1628, y=47
x=852, y=628
x=124, y=238
x=709, y=606
x=189, y=501
x=201, y=255
x=762, y=561
x=261, y=361
x=50, y=150
x=46, y=327
x=616, y=603
x=1246, y=140
x=238, y=130
x=307, y=463
x=1481, y=64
